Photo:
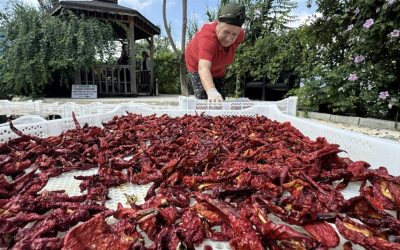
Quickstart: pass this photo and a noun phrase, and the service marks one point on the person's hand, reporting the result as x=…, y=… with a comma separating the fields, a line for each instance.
x=214, y=95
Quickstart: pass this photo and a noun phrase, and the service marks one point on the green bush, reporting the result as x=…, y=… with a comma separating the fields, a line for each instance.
x=38, y=46
x=166, y=70
x=351, y=59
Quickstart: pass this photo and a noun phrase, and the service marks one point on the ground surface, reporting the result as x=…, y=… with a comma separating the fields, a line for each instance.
x=380, y=133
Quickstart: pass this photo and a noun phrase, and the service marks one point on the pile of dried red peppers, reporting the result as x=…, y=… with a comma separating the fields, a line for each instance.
x=240, y=170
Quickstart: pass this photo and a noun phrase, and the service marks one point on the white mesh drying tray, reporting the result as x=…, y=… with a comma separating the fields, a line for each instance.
x=378, y=152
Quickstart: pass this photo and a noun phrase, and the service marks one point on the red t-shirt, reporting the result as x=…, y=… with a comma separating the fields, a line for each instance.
x=205, y=45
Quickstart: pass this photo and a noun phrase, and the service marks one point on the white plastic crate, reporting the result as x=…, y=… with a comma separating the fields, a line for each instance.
x=287, y=106
x=52, y=109
x=378, y=152
x=27, y=119
x=158, y=107
x=65, y=110
x=20, y=108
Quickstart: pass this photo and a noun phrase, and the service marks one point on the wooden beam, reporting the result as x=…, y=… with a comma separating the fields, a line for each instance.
x=145, y=29
x=132, y=54
x=143, y=26
x=122, y=21
x=149, y=33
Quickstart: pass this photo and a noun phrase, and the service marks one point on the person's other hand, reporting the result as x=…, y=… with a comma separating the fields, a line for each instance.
x=214, y=95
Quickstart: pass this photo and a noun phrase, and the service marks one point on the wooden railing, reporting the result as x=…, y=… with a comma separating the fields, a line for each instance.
x=115, y=80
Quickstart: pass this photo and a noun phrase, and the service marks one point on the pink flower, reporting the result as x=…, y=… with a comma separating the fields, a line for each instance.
x=383, y=95
x=359, y=59
x=390, y=2
x=357, y=11
x=353, y=77
x=395, y=33
x=393, y=99
x=350, y=27
x=368, y=23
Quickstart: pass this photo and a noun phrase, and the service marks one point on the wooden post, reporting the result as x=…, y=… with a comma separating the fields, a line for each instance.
x=125, y=87
x=132, y=54
x=151, y=64
x=99, y=71
x=119, y=81
x=112, y=80
x=77, y=77
x=105, y=69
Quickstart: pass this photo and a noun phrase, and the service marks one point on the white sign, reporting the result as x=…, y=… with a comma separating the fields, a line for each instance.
x=84, y=91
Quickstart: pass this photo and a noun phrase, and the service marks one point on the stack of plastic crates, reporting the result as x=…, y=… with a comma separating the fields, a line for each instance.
x=65, y=110
x=20, y=108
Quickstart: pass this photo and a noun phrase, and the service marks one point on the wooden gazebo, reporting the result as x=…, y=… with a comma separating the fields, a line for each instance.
x=116, y=79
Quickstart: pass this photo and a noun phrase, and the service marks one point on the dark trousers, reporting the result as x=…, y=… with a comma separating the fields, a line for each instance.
x=199, y=90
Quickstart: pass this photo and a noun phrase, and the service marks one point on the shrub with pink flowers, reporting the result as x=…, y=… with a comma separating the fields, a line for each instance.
x=353, y=77
x=359, y=68
x=368, y=23
x=345, y=57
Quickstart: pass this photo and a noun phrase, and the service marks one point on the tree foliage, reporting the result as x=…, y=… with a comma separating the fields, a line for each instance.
x=38, y=46
x=46, y=5
x=347, y=57
x=160, y=46
x=352, y=56
x=179, y=54
x=167, y=73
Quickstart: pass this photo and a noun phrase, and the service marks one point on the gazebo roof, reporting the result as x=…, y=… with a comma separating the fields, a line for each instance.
x=143, y=27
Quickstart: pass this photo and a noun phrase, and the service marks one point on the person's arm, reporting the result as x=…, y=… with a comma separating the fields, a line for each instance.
x=207, y=81
x=205, y=74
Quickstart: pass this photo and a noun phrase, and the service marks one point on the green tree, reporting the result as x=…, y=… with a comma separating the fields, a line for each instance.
x=167, y=73
x=46, y=5
x=180, y=55
x=38, y=46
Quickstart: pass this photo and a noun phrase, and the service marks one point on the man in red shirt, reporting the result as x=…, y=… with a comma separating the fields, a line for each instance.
x=212, y=49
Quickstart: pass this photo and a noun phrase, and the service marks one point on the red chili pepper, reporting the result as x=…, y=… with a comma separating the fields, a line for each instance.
x=238, y=169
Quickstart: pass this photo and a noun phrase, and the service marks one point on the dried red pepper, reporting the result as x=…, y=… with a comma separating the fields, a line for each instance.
x=249, y=165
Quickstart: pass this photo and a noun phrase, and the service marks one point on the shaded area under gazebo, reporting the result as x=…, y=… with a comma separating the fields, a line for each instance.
x=111, y=79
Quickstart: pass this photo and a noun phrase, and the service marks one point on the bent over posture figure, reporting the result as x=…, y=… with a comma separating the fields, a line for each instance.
x=212, y=49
